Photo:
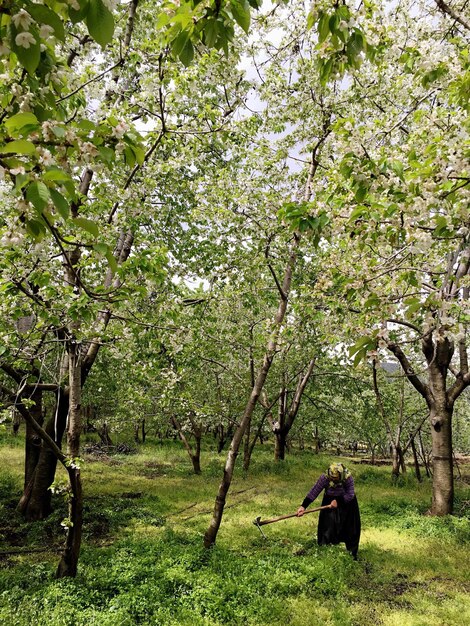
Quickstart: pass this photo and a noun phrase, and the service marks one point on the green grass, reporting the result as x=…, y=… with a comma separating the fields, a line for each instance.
x=142, y=558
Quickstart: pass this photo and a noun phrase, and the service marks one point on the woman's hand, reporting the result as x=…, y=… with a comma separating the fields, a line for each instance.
x=300, y=511
x=334, y=504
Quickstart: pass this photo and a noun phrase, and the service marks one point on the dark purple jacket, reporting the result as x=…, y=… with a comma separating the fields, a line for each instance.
x=344, y=490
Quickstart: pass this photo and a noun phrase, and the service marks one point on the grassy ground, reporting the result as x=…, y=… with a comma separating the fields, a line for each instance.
x=143, y=562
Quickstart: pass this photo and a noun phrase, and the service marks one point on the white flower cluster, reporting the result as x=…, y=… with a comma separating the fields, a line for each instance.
x=11, y=238
x=120, y=129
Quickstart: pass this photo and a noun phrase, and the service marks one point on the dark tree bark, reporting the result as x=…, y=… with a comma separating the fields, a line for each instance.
x=33, y=441
x=35, y=503
x=69, y=561
x=415, y=458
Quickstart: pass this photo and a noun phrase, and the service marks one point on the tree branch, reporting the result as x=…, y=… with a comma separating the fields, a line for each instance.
x=445, y=8
x=409, y=371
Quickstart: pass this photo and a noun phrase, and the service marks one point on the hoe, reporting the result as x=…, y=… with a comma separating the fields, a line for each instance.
x=257, y=522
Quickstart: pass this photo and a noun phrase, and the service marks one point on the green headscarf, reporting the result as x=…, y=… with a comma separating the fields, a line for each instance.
x=337, y=473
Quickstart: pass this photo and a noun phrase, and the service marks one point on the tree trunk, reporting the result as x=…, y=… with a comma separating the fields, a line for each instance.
x=103, y=433
x=69, y=561
x=415, y=458
x=395, y=461
x=211, y=533
x=195, y=456
x=443, y=479
x=144, y=433
x=35, y=503
x=33, y=441
x=280, y=446
x=401, y=459
x=284, y=291
x=288, y=415
x=16, y=423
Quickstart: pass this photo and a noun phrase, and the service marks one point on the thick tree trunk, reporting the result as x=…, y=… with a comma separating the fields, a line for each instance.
x=443, y=479
x=69, y=561
x=35, y=503
x=280, y=446
x=196, y=455
x=33, y=441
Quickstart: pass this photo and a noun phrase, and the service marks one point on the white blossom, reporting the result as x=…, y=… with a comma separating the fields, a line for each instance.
x=24, y=40
x=45, y=31
x=46, y=158
x=17, y=170
x=22, y=20
x=89, y=149
x=120, y=129
x=47, y=131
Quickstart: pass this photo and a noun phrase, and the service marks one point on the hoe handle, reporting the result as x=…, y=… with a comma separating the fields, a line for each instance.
x=278, y=519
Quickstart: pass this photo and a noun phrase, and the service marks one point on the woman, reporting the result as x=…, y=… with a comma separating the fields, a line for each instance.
x=342, y=521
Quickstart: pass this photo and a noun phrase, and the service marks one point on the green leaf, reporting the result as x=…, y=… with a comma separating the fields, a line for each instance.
x=28, y=57
x=88, y=225
x=323, y=27
x=360, y=349
x=311, y=20
x=139, y=153
x=179, y=42
x=241, y=12
x=100, y=22
x=361, y=192
x=397, y=167
x=56, y=175
x=129, y=156
x=79, y=16
x=86, y=125
x=333, y=23
x=211, y=32
x=44, y=15
x=355, y=44
x=38, y=194
x=186, y=56
x=325, y=71
x=107, y=154
x=101, y=248
x=19, y=146
x=60, y=203
x=36, y=229
x=21, y=121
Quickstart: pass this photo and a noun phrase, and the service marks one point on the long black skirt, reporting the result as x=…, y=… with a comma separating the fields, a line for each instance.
x=342, y=524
